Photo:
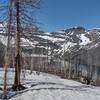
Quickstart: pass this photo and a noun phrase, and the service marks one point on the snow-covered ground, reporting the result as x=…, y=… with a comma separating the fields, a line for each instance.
x=50, y=87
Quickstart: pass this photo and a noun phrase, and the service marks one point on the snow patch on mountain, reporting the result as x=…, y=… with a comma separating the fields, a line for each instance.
x=52, y=38
x=66, y=46
x=26, y=42
x=84, y=39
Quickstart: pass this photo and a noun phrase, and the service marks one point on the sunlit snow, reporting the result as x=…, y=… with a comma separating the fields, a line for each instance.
x=84, y=39
x=50, y=87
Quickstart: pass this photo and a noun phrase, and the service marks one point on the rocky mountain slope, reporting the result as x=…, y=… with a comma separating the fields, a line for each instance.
x=70, y=41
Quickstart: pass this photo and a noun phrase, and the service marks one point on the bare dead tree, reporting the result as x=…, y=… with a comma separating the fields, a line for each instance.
x=23, y=14
x=23, y=9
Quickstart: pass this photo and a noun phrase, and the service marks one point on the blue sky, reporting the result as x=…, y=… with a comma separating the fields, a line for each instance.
x=56, y=15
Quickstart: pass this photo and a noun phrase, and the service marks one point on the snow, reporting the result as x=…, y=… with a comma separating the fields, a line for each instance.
x=52, y=38
x=37, y=55
x=60, y=32
x=66, y=46
x=50, y=87
x=93, y=46
x=26, y=42
x=3, y=40
x=1, y=25
x=84, y=39
x=47, y=33
x=71, y=33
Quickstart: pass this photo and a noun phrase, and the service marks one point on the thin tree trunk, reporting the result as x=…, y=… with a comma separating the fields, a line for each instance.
x=69, y=74
x=7, y=51
x=65, y=74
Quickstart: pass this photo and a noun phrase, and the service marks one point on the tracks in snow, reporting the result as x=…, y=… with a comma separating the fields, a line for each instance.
x=49, y=86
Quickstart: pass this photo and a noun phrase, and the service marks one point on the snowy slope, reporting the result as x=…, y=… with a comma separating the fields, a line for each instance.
x=50, y=87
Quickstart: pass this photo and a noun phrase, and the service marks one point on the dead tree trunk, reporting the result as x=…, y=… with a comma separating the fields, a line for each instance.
x=17, y=85
x=17, y=55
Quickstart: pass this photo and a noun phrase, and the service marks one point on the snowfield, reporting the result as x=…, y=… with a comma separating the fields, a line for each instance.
x=84, y=39
x=50, y=87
